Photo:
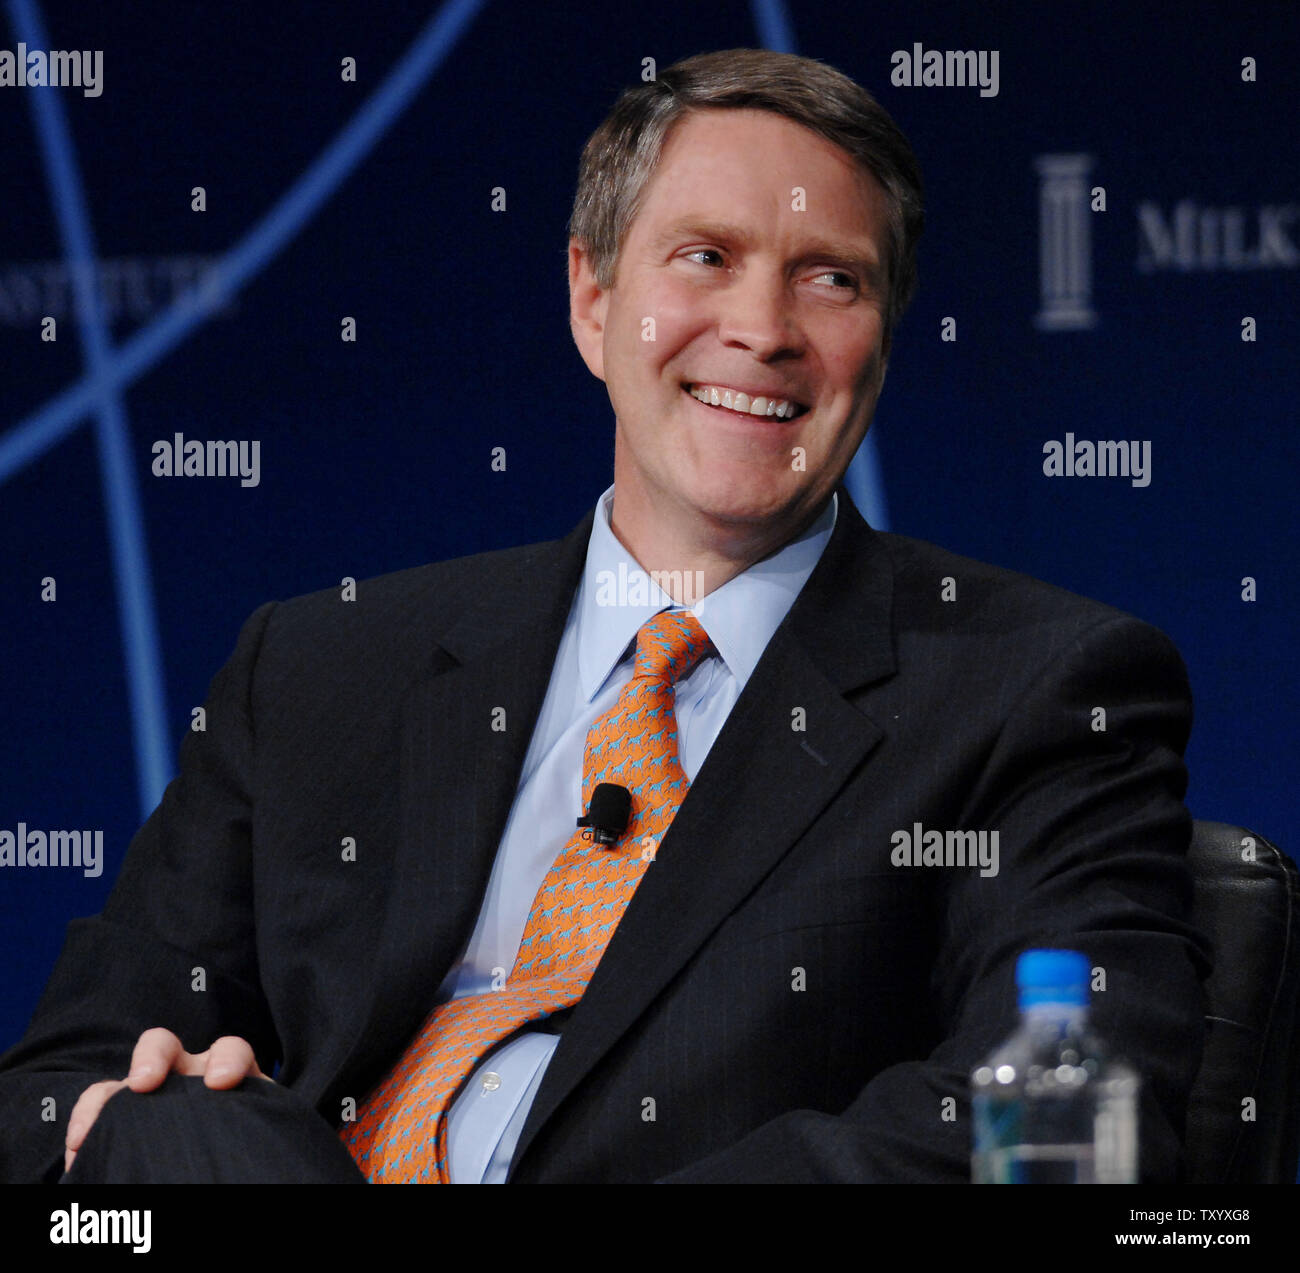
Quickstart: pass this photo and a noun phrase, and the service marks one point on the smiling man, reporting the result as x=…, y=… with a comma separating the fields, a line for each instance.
x=753, y=280
x=724, y=971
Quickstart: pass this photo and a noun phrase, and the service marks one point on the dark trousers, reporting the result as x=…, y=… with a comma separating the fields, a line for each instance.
x=186, y=1133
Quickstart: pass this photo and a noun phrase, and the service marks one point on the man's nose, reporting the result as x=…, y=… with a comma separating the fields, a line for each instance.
x=758, y=311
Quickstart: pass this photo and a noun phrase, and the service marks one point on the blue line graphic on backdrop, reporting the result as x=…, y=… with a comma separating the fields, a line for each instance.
x=116, y=368
x=864, y=478
x=136, y=615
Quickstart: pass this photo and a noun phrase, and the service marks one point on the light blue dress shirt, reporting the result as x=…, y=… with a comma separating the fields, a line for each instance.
x=594, y=662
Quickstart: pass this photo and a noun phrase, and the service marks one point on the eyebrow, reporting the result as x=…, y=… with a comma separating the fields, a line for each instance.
x=815, y=248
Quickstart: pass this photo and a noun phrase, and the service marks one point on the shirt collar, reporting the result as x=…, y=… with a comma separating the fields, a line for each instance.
x=617, y=596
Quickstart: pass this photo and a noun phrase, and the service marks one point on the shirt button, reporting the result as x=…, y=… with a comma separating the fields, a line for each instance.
x=491, y=1081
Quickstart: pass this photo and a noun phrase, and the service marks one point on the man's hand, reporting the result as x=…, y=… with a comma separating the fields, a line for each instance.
x=157, y=1053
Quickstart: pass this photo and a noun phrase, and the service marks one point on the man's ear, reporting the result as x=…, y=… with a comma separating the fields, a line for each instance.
x=587, y=305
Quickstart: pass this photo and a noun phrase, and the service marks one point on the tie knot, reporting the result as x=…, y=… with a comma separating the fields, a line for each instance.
x=669, y=645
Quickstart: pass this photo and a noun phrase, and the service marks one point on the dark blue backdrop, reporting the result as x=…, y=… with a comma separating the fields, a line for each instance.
x=375, y=455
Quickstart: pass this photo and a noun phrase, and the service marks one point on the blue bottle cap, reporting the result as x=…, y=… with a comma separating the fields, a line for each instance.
x=1053, y=976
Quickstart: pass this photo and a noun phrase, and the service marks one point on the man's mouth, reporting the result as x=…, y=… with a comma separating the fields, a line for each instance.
x=737, y=401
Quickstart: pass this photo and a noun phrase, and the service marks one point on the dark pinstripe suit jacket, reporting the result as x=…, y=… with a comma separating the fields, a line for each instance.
x=781, y=1001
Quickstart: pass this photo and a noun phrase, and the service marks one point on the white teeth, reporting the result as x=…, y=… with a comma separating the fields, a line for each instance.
x=715, y=396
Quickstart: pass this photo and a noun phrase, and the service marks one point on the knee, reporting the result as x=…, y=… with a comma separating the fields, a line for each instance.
x=187, y=1132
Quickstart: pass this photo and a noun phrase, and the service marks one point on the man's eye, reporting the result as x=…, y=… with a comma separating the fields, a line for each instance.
x=849, y=283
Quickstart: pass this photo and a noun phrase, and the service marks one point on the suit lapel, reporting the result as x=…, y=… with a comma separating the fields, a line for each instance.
x=760, y=787
x=458, y=777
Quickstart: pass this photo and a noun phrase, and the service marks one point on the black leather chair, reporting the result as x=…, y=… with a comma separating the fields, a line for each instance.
x=1247, y=894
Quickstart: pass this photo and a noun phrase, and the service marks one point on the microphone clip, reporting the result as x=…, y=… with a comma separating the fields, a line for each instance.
x=608, y=814
x=603, y=836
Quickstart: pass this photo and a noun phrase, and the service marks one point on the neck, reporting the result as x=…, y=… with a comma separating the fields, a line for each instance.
x=690, y=559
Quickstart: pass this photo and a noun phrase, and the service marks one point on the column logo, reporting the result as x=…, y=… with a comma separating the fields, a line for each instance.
x=1064, y=244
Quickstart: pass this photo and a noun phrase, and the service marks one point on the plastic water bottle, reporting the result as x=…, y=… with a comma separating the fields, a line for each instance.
x=1049, y=1106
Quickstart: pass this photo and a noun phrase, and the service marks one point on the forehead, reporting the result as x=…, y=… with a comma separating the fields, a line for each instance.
x=754, y=165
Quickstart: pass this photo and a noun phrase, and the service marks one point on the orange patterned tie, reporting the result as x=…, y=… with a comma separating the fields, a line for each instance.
x=400, y=1134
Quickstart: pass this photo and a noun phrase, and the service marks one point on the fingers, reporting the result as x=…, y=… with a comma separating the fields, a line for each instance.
x=228, y=1062
x=157, y=1052
x=84, y=1113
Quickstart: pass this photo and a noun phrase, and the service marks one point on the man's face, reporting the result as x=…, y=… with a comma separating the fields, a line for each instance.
x=757, y=263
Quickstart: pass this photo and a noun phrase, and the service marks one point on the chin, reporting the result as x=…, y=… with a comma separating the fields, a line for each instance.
x=744, y=497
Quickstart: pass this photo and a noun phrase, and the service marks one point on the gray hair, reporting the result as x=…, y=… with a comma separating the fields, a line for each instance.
x=622, y=154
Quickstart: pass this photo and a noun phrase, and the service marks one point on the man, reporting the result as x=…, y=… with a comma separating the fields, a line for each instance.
x=368, y=870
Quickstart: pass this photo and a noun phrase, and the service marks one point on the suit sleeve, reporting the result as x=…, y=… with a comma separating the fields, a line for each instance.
x=174, y=946
x=1093, y=843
